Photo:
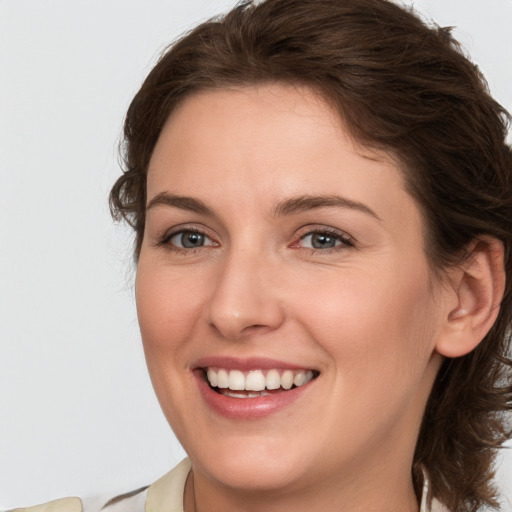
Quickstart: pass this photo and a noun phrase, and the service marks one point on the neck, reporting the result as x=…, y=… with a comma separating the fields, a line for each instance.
x=376, y=491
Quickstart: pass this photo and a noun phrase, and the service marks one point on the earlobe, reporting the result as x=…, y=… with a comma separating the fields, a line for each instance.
x=479, y=284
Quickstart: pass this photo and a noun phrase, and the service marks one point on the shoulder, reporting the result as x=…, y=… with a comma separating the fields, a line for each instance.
x=133, y=501
x=62, y=505
x=165, y=494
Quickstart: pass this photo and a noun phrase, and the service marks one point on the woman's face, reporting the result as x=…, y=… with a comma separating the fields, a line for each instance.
x=277, y=250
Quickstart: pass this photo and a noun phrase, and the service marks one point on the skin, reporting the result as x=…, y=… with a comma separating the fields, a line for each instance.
x=366, y=314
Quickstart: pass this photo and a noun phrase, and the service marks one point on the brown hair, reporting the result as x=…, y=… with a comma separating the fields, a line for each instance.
x=401, y=86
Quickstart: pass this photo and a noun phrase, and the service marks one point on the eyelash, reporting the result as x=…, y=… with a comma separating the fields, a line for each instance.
x=344, y=239
x=165, y=241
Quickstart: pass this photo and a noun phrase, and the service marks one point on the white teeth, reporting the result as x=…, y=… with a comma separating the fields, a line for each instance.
x=256, y=381
x=287, y=379
x=236, y=380
x=222, y=379
x=273, y=380
x=299, y=379
x=212, y=377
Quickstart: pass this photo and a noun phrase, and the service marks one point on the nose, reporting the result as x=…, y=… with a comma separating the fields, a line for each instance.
x=245, y=298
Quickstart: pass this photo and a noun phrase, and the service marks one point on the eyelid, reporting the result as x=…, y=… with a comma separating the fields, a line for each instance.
x=305, y=231
x=164, y=240
x=207, y=241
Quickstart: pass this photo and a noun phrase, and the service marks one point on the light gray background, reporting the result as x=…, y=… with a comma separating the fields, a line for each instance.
x=77, y=412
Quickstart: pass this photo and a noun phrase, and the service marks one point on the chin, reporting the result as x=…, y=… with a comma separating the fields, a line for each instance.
x=254, y=463
x=247, y=473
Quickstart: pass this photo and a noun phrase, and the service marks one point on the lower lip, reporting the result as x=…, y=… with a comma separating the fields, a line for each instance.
x=247, y=408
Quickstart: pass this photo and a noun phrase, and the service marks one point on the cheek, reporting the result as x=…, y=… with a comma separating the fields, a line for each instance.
x=374, y=325
x=167, y=308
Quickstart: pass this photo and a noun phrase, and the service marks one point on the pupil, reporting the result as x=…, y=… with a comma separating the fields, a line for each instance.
x=321, y=241
x=191, y=240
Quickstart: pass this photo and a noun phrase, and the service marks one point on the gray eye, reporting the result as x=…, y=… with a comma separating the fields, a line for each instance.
x=190, y=240
x=320, y=241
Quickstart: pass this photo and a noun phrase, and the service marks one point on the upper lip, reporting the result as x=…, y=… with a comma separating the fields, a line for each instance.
x=246, y=363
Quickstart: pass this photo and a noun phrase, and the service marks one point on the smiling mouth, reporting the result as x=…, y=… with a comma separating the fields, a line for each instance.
x=255, y=383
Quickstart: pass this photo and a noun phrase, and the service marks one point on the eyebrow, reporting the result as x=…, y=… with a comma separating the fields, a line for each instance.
x=309, y=202
x=181, y=202
x=283, y=208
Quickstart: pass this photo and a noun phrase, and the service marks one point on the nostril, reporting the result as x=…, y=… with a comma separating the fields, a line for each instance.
x=254, y=328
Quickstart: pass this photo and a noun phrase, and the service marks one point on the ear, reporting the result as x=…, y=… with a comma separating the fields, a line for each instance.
x=478, y=284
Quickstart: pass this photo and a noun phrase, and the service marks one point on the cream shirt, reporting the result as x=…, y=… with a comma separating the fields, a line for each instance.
x=165, y=495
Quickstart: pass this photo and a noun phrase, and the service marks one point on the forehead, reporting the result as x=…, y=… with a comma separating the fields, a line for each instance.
x=286, y=129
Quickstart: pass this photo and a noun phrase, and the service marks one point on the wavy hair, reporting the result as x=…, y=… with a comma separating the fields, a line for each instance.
x=399, y=85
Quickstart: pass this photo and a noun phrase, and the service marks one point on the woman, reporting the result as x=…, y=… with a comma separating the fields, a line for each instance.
x=321, y=197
